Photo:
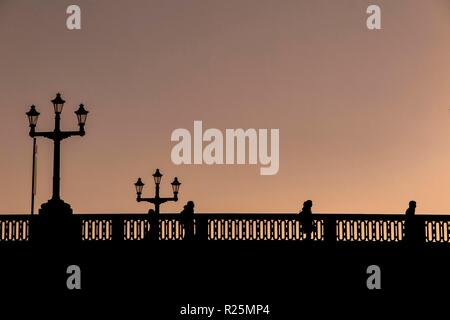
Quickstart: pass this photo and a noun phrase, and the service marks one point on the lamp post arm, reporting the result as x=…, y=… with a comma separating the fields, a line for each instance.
x=151, y=200
x=68, y=134
x=156, y=200
x=47, y=134
x=162, y=200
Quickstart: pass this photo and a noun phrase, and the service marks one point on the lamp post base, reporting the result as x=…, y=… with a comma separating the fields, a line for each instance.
x=56, y=225
x=55, y=207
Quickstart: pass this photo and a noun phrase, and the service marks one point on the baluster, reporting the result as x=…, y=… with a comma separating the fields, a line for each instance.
x=330, y=230
x=199, y=228
x=118, y=229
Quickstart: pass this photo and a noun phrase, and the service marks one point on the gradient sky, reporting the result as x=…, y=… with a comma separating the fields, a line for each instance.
x=363, y=115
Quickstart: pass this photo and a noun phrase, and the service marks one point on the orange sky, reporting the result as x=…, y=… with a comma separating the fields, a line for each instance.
x=363, y=115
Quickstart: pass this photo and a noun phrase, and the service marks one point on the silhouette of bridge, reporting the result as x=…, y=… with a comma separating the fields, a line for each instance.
x=220, y=255
x=327, y=228
x=56, y=221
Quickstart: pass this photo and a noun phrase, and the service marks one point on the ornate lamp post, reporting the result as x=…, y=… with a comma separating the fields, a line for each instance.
x=157, y=200
x=56, y=204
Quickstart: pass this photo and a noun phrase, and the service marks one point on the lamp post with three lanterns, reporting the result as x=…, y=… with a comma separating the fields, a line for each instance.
x=56, y=204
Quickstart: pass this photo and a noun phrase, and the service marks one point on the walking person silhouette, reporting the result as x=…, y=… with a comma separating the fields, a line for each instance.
x=306, y=219
x=154, y=225
x=411, y=231
x=187, y=218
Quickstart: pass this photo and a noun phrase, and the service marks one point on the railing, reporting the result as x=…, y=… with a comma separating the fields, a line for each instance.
x=259, y=227
x=95, y=227
x=368, y=228
x=327, y=228
x=129, y=227
x=14, y=227
x=437, y=229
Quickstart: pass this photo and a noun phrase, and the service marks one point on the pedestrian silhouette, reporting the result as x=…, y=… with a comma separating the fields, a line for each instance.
x=411, y=211
x=153, y=218
x=306, y=219
x=412, y=231
x=187, y=219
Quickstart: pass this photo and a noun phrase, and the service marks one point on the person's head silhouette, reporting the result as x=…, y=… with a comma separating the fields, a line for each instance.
x=307, y=205
x=188, y=208
x=411, y=211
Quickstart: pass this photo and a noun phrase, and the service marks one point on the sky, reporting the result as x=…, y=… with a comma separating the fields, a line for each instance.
x=363, y=114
